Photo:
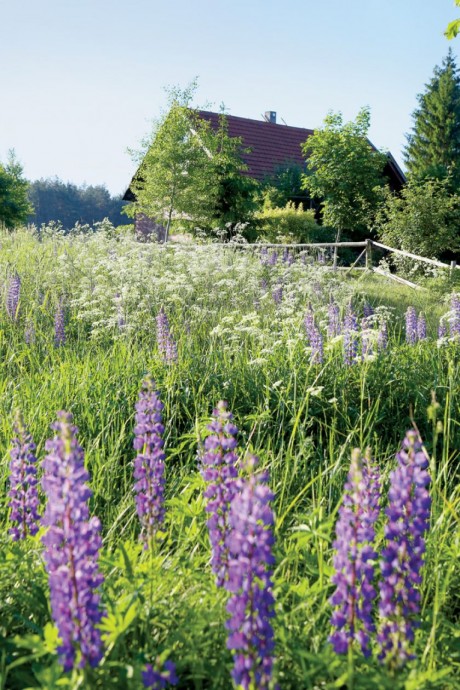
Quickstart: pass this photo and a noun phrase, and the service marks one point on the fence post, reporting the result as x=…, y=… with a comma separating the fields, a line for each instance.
x=368, y=254
x=452, y=269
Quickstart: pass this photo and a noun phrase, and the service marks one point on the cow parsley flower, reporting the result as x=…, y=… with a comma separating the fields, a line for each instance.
x=72, y=543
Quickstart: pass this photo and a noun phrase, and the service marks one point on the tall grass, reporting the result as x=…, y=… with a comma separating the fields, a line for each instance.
x=302, y=419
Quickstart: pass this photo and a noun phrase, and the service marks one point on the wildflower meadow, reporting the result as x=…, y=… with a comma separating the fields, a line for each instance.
x=224, y=467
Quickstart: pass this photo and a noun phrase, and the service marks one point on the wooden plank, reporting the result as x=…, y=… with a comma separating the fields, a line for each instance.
x=433, y=262
x=398, y=279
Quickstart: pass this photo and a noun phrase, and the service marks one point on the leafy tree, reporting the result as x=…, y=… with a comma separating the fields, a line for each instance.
x=284, y=185
x=175, y=178
x=14, y=203
x=55, y=200
x=453, y=27
x=191, y=173
x=344, y=172
x=423, y=219
x=235, y=200
x=433, y=148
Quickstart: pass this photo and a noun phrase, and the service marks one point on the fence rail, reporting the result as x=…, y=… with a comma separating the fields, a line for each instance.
x=367, y=246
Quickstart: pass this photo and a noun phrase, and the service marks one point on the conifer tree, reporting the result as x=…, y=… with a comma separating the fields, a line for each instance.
x=433, y=148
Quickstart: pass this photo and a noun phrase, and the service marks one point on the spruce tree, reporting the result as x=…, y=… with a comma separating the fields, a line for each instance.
x=433, y=148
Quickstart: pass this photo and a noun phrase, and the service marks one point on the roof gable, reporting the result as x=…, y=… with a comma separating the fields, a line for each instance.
x=270, y=144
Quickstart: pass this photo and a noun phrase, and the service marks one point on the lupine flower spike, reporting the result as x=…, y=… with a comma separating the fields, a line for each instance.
x=72, y=543
x=218, y=469
x=350, y=340
x=408, y=516
x=454, y=318
x=421, y=327
x=166, y=344
x=251, y=605
x=354, y=557
x=23, y=494
x=149, y=463
x=411, y=326
x=59, y=327
x=12, y=298
x=158, y=680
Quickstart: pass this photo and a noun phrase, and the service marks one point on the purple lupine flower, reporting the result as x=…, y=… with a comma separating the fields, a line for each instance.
x=277, y=294
x=309, y=322
x=251, y=604
x=218, y=469
x=366, y=338
x=367, y=310
x=354, y=556
x=350, y=340
x=149, y=462
x=12, y=298
x=408, y=516
x=158, y=680
x=382, y=338
x=317, y=347
x=334, y=326
x=23, y=483
x=287, y=257
x=314, y=337
x=264, y=284
x=272, y=258
x=72, y=543
x=454, y=319
x=264, y=256
x=29, y=333
x=321, y=258
x=421, y=327
x=411, y=325
x=166, y=343
x=59, y=327
x=442, y=329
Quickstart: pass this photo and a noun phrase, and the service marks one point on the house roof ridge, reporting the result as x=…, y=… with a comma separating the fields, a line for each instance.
x=253, y=119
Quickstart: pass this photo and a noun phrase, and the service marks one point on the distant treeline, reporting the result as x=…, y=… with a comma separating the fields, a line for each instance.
x=54, y=200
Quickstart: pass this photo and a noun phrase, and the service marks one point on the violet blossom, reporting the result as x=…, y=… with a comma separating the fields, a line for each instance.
x=218, y=469
x=350, y=340
x=354, y=557
x=421, y=327
x=23, y=482
x=149, y=462
x=454, y=319
x=12, y=298
x=334, y=326
x=408, y=515
x=158, y=680
x=59, y=327
x=251, y=605
x=166, y=344
x=411, y=325
x=72, y=543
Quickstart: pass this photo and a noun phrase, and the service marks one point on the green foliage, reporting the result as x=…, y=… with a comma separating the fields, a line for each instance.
x=285, y=184
x=423, y=219
x=54, y=200
x=302, y=420
x=288, y=224
x=191, y=174
x=14, y=204
x=433, y=148
x=343, y=172
x=453, y=27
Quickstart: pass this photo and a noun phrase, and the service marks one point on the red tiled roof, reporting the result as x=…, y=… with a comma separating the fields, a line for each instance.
x=270, y=144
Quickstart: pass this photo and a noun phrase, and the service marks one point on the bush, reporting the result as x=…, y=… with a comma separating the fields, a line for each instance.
x=288, y=224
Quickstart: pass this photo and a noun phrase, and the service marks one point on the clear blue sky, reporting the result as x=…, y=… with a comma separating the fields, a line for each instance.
x=81, y=80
